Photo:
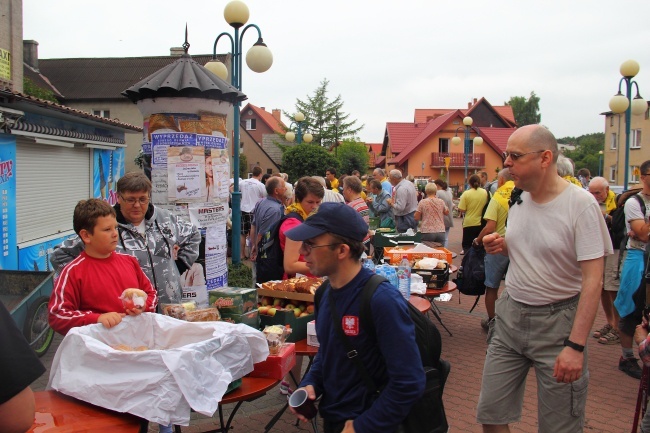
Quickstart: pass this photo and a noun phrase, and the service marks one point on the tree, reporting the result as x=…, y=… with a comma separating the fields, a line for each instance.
x=352, y=155
x=325, y=119
x=307, y=160
x=526, y=111
x=30, y=88
x=243, y=166
x=585, y=155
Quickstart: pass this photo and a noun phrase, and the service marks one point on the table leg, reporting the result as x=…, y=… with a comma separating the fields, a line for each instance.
x=434, y=310
x=275, y=418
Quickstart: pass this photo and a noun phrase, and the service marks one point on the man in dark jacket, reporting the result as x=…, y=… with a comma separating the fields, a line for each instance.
x=164, y=245
x=332, y=243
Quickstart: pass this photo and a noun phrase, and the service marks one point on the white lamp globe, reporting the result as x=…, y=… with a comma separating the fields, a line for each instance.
x=299, y=117
x=629, y=68
x=467, y=121
x=236, y=13
x=455, y=141
x=290, y=136
x=217, y=68
x=619, y=103
x=478, y=141
x=307, y=138
x=639, y=106
x=259, y=58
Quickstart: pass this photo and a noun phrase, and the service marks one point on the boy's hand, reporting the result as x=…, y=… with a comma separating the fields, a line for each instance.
x=133, y=312
x=110, y=319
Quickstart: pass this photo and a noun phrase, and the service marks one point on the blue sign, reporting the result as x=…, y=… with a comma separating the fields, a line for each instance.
x=37, y=257
x=9, y=258
x=108, y=168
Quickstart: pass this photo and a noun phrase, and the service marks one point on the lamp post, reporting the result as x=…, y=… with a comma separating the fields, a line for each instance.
x=259, y=59
x=600, y=162
x=478, y=140
x=620, y=103
x=299, y=120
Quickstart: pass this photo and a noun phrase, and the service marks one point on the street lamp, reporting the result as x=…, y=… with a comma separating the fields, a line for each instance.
x=478, y=140
x=600, y=162
x=299, y=121
x=259, y=59
x=620, y=103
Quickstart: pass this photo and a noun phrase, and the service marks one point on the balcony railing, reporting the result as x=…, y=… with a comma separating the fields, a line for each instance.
x=474, y=160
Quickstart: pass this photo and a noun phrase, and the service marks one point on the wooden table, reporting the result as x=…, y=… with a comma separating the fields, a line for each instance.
x=420, y=303
x=251, y=389
x=430, y=294
x=56, y=412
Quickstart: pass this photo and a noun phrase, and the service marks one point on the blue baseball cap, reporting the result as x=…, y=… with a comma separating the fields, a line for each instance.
x=337, y=218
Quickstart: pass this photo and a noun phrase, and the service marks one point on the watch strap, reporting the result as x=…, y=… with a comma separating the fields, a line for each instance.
x=574, y=346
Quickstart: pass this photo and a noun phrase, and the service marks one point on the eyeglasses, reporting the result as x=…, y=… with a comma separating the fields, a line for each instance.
x=132, y=200
x=515, y=156
x=308, y=246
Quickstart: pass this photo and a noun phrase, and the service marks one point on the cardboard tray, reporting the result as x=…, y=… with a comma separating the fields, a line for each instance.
x=305, y=297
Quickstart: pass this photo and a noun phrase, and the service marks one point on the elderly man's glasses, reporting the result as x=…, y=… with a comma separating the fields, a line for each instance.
x=308, y=246
x=133, y=200
x=515, y=156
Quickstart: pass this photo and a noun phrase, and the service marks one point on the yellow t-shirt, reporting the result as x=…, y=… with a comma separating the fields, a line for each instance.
x=335, y=184
x=472, y=202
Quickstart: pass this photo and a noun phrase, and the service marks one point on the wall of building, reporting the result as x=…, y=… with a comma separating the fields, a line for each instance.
x=614, y=156
x=255, y=155
x=11, y=43
x=261, y=128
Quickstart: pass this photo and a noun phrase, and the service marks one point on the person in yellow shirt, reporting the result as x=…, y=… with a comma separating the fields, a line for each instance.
x=472, y=203
x=330, y=174
x=496, y=265
x=606, y=198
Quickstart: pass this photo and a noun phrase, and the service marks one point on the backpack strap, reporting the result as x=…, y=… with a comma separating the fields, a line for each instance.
x=365, y=312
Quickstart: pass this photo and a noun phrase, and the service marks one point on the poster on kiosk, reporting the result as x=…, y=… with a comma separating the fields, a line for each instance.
x=190, y=173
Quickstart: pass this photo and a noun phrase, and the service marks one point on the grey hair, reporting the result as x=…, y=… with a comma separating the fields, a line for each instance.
x=505, y=174
x=396, y=174
x=564, y=166
x=599, y=181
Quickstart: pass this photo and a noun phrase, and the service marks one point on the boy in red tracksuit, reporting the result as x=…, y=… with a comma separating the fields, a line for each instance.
x=88, y=289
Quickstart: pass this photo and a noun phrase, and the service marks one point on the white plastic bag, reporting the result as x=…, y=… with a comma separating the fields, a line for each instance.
x=188, y=365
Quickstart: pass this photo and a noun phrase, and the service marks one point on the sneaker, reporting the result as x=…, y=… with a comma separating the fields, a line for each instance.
x=462, y=252
x=602, y=331
x=630, y=367
x=611, y=337
x=285, y=388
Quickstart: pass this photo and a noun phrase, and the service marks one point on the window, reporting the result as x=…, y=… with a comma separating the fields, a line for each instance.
x=635, y=135
x=102, y=113
x=269, y=171
x=251, y=124
x=634, y=174
x=611, y=120
x=612, y=173
x=613, y=141
x=443, y=145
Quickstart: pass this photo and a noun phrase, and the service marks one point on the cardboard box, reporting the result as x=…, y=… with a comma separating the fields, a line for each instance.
x=397, y=252
x=284, y=317
x=251, y=318
x=233, y=300
x=276, y=366
x=312, y=339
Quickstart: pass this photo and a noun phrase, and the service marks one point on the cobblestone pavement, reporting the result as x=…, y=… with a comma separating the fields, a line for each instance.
x=610, y=404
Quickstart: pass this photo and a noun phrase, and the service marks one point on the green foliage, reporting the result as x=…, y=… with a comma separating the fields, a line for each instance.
x=352, y=155
x=240, y=275
x=307, y=160
x=585, y=154
x=526, y=111
x=30, y=88
x=325, y=118
x=243, y=166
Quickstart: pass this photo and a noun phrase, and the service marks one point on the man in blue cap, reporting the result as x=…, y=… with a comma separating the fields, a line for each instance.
x=332, y=244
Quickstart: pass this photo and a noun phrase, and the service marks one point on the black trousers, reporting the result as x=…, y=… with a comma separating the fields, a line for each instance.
x=333, y=427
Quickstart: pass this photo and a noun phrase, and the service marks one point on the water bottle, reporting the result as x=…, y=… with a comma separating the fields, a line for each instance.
x=391, y=275
x=404, y=277
x=367, y=262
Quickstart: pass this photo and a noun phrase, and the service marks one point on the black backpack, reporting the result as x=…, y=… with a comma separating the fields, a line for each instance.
x=485, y=206
x=617, y=231
x=428, y=413
x=269, y=263
x=470, y=279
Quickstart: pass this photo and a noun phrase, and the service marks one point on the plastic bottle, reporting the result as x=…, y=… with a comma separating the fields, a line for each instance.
x=391, y=275
x=367, y=262
x=404, y=277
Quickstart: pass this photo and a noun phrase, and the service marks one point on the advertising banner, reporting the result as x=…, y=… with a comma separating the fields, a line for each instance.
x=9, y=258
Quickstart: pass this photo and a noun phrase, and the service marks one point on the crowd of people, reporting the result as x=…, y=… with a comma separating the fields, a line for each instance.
x=542, y=319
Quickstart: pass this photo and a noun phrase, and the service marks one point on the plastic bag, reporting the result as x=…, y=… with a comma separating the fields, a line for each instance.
x=187, y=365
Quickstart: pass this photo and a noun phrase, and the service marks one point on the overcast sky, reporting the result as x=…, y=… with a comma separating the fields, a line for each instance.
x=385, y=58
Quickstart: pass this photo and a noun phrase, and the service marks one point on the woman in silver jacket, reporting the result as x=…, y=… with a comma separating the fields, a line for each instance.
x=148, y=233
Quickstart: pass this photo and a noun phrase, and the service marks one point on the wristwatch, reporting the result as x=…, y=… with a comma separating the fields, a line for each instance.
x=574, y=346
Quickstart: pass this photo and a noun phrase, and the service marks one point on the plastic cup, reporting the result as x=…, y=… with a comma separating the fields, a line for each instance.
x=301, y=403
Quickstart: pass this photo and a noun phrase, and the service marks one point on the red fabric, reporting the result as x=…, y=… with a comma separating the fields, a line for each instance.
x=89, y=287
